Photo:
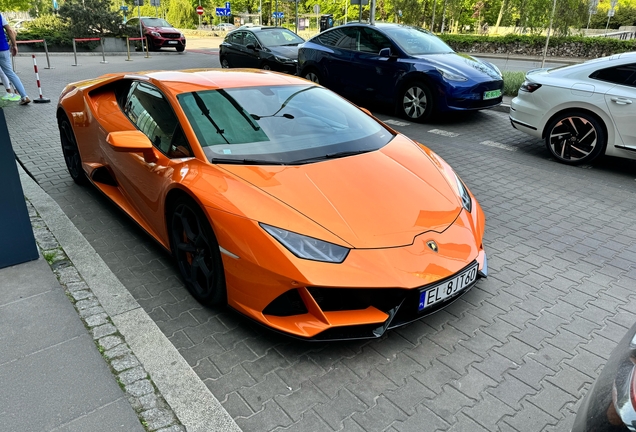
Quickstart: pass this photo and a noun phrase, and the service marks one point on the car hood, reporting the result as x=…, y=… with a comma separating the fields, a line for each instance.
x=463, y=64
x=163, y=29
x=290, y=52
x=383, y=198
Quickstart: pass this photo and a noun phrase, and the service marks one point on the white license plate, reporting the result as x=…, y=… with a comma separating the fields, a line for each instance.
x=458, y=283
x=492, y=94
x=173, y=42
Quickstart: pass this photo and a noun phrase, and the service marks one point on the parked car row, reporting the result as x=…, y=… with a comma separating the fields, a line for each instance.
x=406, y=67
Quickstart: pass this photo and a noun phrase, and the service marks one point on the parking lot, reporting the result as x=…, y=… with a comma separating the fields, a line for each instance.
x=516, y=353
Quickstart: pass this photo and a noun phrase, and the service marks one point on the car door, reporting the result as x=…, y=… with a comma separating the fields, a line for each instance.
x=232, y=46
x=251, y=56
x=334, y=64
x=143, y=182
x=373, y=76
x=621, y=100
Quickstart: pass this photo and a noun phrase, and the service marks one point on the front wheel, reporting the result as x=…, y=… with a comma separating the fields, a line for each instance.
x=151, y=45
x=180, y=48
x=70, y=151
x=224, y=63
x=575, y=138
x=196, y=250
x=312, y=75
x=415, y=102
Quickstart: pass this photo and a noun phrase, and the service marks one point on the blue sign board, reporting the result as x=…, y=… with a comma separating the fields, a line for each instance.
x=223, y=12
x=278, y=15
x=124, y=8
x=227, y=5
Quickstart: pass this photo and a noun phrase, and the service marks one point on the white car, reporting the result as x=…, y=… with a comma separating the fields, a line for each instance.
x=582, y=111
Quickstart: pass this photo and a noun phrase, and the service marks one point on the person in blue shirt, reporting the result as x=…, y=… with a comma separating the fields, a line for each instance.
x=6, y=51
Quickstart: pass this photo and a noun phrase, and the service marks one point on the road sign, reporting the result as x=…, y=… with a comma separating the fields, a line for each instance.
x=123, y=8
x=610, y=13
x=200, y=10
x=155, y=3
x=357, y=2
x=227, y=5
x=316, y=9
x=223, y=12
x=278, y=15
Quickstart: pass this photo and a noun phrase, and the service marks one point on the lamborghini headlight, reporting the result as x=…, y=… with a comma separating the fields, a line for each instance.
x=307, y=247
x=467, y=202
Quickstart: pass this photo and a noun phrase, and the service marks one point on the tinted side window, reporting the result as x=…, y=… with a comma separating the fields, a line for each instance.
x=340, y=37
x=236, y=38
x=372, y=41
x=624, y=75
x=152, y=114
x=249, y=38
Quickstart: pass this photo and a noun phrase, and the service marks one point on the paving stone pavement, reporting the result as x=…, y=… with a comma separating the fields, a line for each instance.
x=516, y=353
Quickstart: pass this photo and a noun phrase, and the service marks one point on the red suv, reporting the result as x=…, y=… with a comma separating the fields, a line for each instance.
x=159, y=33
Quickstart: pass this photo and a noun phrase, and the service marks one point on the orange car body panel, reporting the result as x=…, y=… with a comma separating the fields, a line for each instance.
x=383, y=205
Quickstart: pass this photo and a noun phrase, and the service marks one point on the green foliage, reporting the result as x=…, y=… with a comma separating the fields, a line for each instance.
x=624, y=16
x=91, y=18
x=14, y=5
x=48, y=27
x=512, y=82
x=182, y=14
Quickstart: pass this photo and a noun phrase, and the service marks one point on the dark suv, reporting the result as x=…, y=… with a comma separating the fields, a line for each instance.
x=159, y=33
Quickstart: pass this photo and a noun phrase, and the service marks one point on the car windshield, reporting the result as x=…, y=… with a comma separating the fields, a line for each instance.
x=278, y=37
x=155, y=22
x=291, y=124
x=416, y=41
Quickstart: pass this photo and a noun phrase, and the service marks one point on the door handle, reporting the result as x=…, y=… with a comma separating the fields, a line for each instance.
x=621, y=101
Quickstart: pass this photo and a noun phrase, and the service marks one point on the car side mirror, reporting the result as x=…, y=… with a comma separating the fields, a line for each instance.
x=250, y=46
x=386, y=52
x=132, y=142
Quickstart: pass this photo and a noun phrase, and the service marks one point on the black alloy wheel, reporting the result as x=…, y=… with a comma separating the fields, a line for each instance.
x=71, y=151
x=415, y=102
x=575, y=137
x=196, y=251
x=180, y=48
x=151, y=45
x=224, y=63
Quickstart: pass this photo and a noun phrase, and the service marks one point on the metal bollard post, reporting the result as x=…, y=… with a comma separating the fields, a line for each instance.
x=128, y=48
x=74, y=53
x=46, y=52
x=101, y=40
x=147, y=49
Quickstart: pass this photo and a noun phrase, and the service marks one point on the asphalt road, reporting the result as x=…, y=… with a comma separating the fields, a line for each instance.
x=516, y=353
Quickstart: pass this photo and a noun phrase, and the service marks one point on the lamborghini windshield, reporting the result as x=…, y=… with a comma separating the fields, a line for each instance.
x=279, y=125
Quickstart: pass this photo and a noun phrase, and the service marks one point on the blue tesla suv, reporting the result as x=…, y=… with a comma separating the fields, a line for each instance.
x=406, y=67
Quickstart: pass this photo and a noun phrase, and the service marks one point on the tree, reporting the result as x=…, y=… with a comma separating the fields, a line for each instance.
x=91, y=18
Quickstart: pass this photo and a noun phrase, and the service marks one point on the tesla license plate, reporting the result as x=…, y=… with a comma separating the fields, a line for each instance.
x=492, y=94
x=458, y=283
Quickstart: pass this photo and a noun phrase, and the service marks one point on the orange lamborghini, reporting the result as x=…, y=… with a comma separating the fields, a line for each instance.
x=278, y=197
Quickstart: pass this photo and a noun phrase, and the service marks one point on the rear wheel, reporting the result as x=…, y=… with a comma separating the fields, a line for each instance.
x=415, y=102
x=575, y=137
x=71, y=151
x=196, y=251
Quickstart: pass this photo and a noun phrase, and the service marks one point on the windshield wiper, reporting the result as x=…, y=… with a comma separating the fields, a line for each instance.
x=206, y=113
x=244, y=161
x=345, y=153
x=332, y=156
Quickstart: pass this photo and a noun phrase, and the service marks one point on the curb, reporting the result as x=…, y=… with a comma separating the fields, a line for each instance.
x=147, y=366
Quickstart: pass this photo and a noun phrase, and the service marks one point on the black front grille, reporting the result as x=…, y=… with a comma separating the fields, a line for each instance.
x=171, y=35
x=287, y=304
x=340, y=299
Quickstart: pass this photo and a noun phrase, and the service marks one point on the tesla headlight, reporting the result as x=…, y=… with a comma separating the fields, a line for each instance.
x=467, y=202
x=450, y=76
x=494, y=67
x=307, y=247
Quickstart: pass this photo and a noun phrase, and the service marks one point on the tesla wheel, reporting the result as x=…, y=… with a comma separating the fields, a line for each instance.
x=180, y=48
x=312, y=75
x=71, y=151
x=415, y=102
x=224, y=63
x=196, y=251
x=575, y=138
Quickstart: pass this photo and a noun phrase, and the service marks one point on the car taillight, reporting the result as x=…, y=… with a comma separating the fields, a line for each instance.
x=529, y=86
